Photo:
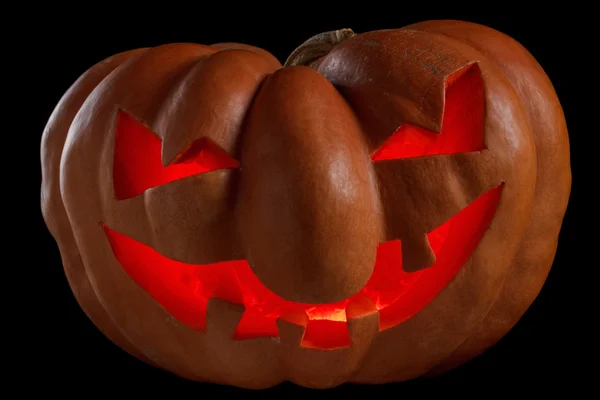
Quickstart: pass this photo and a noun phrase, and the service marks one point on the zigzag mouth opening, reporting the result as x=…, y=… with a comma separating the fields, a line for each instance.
x=183, y=289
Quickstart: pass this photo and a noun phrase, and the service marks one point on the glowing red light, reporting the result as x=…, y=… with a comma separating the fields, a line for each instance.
x=184, y=289
x=138, y=164
x=462, y=123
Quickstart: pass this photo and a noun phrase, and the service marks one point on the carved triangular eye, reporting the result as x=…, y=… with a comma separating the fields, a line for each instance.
x=462, y=122
x=138, y=164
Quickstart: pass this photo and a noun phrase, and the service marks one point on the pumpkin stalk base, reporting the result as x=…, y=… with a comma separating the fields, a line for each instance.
x=317, y=46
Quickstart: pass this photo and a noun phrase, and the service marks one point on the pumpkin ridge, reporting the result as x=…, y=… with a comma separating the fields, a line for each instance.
x=432, y=370
x=479, y=340
x=78, y=93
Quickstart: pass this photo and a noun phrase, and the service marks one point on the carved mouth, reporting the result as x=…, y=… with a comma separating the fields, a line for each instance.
x=184, y=289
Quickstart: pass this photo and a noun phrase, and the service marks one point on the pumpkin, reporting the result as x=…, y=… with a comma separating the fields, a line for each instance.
x=384, y=206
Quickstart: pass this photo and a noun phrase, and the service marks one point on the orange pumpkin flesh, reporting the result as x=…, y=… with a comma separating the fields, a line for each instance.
x=376, y=215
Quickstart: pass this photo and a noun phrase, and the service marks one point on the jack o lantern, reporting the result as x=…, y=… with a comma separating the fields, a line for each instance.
x=384, y=206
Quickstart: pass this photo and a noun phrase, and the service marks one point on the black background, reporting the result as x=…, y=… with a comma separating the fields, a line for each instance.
x=65, y=348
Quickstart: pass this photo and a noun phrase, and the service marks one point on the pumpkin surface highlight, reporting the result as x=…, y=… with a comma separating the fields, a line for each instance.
x=384, y=206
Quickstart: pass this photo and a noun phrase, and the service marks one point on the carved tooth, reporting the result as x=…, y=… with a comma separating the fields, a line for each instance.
x=223, y=318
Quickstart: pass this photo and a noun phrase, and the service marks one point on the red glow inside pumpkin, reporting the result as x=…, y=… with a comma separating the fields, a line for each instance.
x=184, y=289
x=462, y=123
x=138, y=159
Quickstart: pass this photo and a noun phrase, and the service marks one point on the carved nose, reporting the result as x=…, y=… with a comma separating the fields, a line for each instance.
x=308, y=208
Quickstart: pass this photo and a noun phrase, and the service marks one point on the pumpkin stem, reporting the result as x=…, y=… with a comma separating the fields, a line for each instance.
x=317, y=46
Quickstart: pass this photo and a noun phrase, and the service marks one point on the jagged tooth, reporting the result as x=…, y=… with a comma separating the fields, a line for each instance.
x=290, y=333
x=223, y=318
x=252, y=325
x=363, y=330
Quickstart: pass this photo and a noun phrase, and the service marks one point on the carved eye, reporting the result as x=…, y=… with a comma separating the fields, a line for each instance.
x=138, y=163
x=462, y=123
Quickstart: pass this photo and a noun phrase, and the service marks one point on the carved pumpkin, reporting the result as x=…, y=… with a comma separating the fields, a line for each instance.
x=385, y=206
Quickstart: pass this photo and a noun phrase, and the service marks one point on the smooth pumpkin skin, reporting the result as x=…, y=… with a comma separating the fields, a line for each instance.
x=532, y=263
x=245, y=93
x=54, y=213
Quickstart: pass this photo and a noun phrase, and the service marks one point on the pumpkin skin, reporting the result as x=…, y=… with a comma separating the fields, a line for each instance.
x=288, y=125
